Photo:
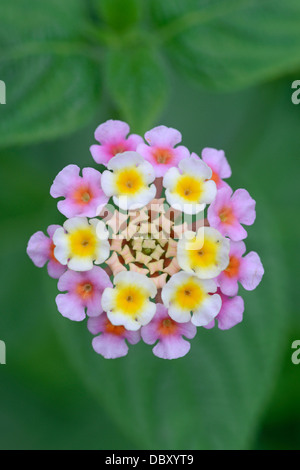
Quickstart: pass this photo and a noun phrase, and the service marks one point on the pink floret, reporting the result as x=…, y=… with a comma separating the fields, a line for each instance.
x=228, y=211
x=112, y=136
x=83, y=195
x=231, y=312
x=161, y=151
x=40, y=250
x=219, y=165
x=110, y=341
x=83, y=293
x=247, y=270
x=171, y=344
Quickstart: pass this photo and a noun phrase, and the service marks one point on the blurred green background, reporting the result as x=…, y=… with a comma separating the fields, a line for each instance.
x=220, y=72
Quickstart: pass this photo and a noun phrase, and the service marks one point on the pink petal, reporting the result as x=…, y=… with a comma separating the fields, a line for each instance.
x=69, y=306
x=69, y=208
x=100, y=154
x=209, y=325
x=237, y=249
x=55, y=269
x=110, y=346
x=217, y=161
x=231, y=312
x=228, y=285
x=97, y=324
x=244, y=206
x=180, y=153
x=93, y=305
x=64, y=181
x=162, y=136
x=171, y=347
x=51, y=230
x=111, y=131
x=99, y=278
x=133, y=337
x=234, y=231
x=251, y=271
x=69, y=280
x=133, y=142
x=92, y=177
x=187, y=329
x=149, y=333
x=38, y=249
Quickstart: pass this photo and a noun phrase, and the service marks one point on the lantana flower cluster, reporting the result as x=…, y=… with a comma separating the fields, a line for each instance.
x=152, y=246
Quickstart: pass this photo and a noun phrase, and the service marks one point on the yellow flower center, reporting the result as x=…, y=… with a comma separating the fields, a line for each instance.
x=130, y=299
x=129, y=181
x=205, y=256
x=83, y=242
x=189, y=188
x=189, y=295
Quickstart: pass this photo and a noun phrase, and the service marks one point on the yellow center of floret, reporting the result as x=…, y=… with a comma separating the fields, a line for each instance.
x=83, y=242
x=189, y=188
x=189, y=295
x=203, y=256
x=130, y=299
x=129, y=181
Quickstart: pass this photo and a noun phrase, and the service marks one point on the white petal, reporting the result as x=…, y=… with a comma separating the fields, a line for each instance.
x=209, y=309
x=100, y=228
x=125, y=159
x=181, y=316
x=102, y=251
x=133, y=323
x=108, y=299
x=209, y=191
x=180, y=204
x=170, y=178
x=195, y=167
x=137, y=279
x=78, y=263
x=75, y=223
x=137, y=201
x=148, y=171
x=61, y=250
x=108, y=183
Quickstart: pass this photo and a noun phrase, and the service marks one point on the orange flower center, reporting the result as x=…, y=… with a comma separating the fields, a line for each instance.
x=226, y=215
x=51, y=253
x=117, y=330
x=84, y=290
x=162, y=155
x=233, y=267
x=167, y=327
x=82, y=195
x=215, y=177
x=118, y=148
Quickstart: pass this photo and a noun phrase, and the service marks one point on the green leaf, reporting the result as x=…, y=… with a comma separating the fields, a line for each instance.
x=137, y=83
x=230, y=44
x=52, y=84
x=119, y=14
